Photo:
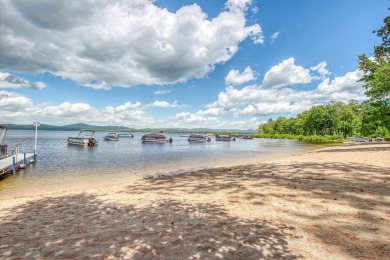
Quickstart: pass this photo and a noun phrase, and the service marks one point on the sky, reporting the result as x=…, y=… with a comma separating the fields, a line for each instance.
x=180, y=64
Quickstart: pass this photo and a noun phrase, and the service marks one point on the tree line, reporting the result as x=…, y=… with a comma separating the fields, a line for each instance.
x=336, y=118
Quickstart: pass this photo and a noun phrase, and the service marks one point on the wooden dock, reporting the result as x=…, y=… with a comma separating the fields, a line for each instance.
x=12, y=163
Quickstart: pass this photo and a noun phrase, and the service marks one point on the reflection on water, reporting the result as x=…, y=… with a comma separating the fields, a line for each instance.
x=61, y=166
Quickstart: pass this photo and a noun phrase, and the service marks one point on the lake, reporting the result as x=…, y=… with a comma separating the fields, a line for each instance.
x=61, y=166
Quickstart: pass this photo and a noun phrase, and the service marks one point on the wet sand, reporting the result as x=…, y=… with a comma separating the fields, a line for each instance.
x=332, y=203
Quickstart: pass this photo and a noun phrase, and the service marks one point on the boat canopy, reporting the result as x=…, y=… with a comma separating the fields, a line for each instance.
x=86, y=133
x=3, y=129
x=153, y=136
x=197, y=136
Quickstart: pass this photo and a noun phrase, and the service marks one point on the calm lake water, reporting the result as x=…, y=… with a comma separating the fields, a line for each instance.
x=61, y=166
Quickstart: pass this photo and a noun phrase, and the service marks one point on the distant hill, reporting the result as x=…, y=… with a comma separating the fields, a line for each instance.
x=79, y=126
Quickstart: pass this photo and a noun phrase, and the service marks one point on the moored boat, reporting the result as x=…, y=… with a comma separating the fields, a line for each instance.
x=224, y=138
x=126, y=135
x=155, y=138
x=246, y=137
x=85, y=138
x=198, y=138
x=111, y=137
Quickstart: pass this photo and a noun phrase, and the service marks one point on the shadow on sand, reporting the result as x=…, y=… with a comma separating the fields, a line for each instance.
x=344, y=205
x=82, y=226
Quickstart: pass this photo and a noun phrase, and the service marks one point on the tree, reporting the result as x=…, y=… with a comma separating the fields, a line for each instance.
x=377, y=79
x=377, y=68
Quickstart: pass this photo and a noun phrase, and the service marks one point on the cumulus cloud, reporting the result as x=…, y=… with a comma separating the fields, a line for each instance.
x=259, y=101
x=344, y=86
x=193, y=120
x=67, y=109
x=234, y=77
x=11, y=101
x=286, y=73
x=189, y=120
x=100, y=44
x=11, y=81
x=17, y=108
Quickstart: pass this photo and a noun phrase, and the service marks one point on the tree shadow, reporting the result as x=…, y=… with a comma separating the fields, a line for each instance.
x=84, y=226
x=344, y=204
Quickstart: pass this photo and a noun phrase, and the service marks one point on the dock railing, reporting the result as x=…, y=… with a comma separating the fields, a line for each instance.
x=10, y=163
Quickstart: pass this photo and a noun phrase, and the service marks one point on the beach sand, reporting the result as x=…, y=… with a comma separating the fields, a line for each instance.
x=332, y=203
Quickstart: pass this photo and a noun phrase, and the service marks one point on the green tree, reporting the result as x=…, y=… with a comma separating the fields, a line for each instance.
x=377, y=69
x=377, y=81
x=267, y=128
x=281, y=126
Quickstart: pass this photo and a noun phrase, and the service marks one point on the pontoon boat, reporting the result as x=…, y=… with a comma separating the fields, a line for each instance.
x=85, y=138
x=224, y=138
x=198, y=138
x=155, y=138
x=111, y=137
x=127, y=135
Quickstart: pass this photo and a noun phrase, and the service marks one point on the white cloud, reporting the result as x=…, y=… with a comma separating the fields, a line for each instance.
x=286, y=73
x=66, y=109
x=234, y=77
x=128, y=106
x=216, y=111
x=11, y=101
x=180, y=116
x=164, y=104
x=19, y=109
x=186, y=119
x=344, y=87
x=100, y=85
x=321, y=69
x=161, y=92
x=11, y=81
x=274, y=36
x=100, y=44
x=259, y=101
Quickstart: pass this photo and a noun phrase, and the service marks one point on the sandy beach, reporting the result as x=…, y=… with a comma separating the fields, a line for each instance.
x=332, y=203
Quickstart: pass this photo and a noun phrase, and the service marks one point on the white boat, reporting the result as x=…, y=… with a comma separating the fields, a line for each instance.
x=247, y=137
x=111, y=137
x=85, y=138
x=198, y=138
x=127, y=135
x=224, y=138
x=155, y=138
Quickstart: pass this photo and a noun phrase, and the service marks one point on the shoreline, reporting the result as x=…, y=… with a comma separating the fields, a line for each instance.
x=84, y=182
x=332, y=202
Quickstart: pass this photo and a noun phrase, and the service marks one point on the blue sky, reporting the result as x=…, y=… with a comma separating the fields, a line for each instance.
x=215, y=64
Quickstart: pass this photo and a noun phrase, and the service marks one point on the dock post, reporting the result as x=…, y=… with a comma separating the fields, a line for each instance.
x=13, y=165
x=24, y=159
